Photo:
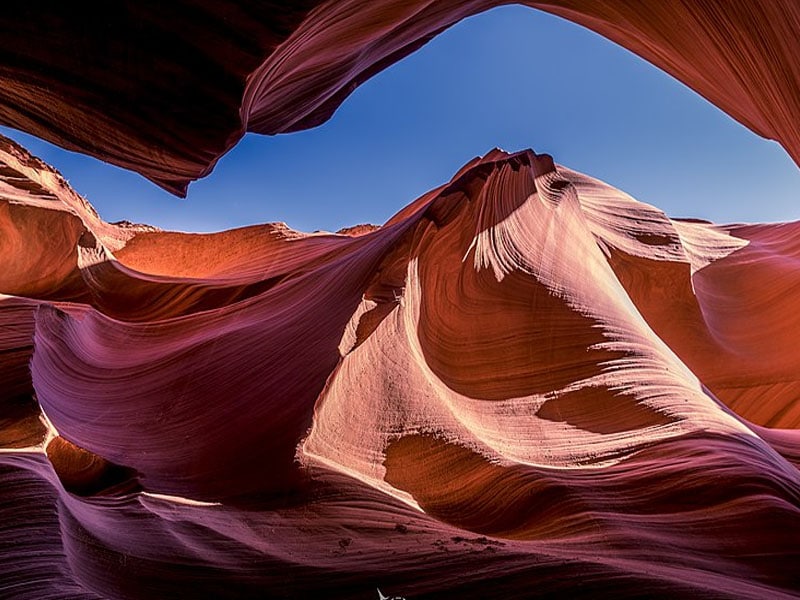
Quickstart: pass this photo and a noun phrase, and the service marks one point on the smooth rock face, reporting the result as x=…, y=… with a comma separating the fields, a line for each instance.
x=526, y=383
x=166, y=89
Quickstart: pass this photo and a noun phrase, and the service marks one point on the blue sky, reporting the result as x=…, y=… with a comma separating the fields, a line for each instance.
x=512, y=78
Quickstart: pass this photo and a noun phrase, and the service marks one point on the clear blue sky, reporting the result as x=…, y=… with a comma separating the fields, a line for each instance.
x=513, y=78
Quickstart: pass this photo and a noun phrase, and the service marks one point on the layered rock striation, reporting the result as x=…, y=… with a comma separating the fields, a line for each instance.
x=525, y=383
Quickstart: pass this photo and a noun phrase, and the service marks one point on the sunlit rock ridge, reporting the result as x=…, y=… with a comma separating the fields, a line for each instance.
x=525, y=383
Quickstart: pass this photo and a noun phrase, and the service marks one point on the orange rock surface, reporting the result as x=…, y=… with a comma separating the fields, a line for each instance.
x=526, y=383
x=165, y=91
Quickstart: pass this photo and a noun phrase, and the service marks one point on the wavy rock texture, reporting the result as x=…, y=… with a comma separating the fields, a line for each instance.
x=103, y=83
x=525, y=384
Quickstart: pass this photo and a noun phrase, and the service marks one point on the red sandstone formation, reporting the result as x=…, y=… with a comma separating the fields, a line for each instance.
x=526, y=383
x=165, y=90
